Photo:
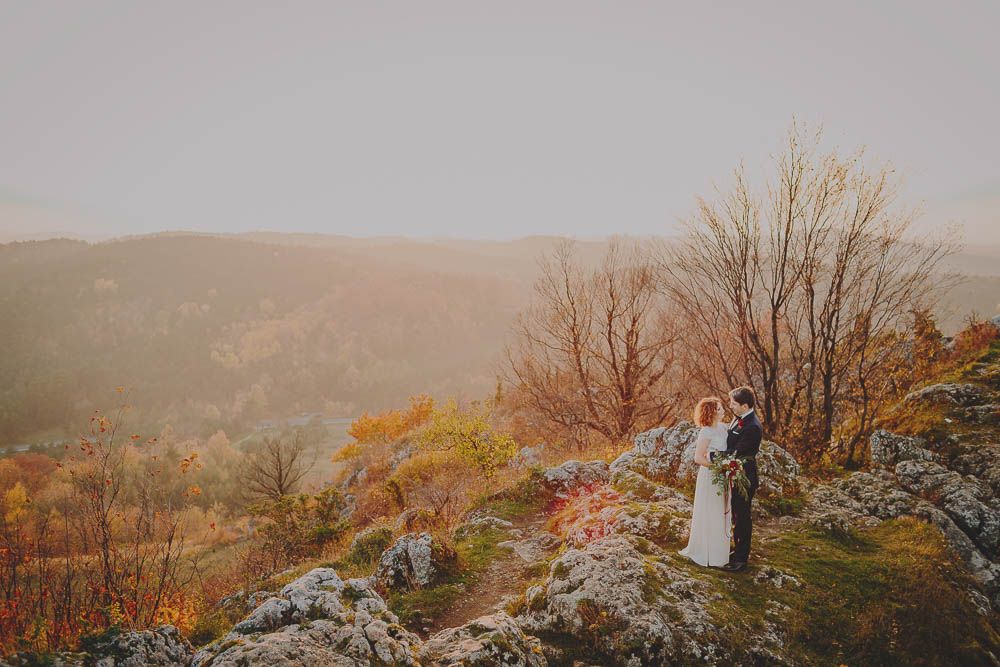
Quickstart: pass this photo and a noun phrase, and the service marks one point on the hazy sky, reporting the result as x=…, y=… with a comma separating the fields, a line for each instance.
x=472, y=119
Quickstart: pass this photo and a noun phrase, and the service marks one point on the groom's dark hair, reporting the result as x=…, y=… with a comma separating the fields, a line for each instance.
x=744, y=396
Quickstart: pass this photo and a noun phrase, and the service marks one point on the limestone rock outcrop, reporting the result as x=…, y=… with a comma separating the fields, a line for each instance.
x=489, y=640
x=318, y=619
x=413, y=561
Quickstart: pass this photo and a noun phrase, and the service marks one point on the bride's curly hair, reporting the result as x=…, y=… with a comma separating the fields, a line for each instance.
x=704, y=412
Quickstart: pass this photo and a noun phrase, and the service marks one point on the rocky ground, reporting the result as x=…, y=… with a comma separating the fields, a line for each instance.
x=873, y=567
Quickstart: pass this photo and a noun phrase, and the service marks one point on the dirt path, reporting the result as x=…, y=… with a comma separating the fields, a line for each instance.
x=502, y=576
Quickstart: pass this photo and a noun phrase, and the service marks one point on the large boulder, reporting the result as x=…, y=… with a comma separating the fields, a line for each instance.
x=888, y=449
x=566, y=479
x=949, y=394
x=659, y=453
x=965, y=499
x=776, y=469
x=877, y=495
x=981, y=461
x=606, y=512
x=668, y=454
x=318, y=619
x=984, y=570
x=834, y=511
x=413, y=561
x=627, y=609
x=494, y=640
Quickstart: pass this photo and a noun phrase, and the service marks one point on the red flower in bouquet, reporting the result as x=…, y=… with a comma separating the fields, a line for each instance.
x=728, y=473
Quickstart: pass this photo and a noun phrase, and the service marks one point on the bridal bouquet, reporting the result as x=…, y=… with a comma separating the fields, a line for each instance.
x=728, y=473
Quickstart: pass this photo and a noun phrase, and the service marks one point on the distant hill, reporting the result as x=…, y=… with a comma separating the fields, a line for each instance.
x=217, y=329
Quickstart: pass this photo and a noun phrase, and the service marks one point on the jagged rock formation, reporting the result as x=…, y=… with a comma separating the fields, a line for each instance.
x=633, y=609
x=952, y=484
x=607, y=511
x=318, y=619
x=949, y=393
x=413, y=561
x=488, y=640
x=563, y=480
x=668, y=454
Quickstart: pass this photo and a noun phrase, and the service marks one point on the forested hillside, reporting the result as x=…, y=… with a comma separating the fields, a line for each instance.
x=214, y=331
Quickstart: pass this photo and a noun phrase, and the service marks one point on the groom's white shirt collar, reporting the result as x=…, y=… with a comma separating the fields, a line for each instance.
x=742, y=416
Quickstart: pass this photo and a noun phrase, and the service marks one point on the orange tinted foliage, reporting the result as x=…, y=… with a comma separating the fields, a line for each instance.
x=391, y=424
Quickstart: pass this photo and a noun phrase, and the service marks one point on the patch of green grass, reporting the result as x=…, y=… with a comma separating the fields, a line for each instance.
x=368, y=547
x=523, y=498
x=686, y=486
x=920, y=419
x=213, y=624
x=426, y=603
x=789, y=504
x=476, y=552
x=634, y=484
x=890, y=595
x=981, y=368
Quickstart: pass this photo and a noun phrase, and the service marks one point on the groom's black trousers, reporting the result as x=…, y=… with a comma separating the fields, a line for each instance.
x=742, y=524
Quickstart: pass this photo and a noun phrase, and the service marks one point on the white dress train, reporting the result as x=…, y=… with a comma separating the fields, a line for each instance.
x=708, y=543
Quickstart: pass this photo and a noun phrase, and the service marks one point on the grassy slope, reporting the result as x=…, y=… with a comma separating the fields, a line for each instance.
x=890, y=595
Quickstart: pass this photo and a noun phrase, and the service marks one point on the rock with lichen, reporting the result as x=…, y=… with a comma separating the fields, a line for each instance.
x=625, y=607
x=489, y=640
x=317, y=619
x=572, y=476
x=413, y=561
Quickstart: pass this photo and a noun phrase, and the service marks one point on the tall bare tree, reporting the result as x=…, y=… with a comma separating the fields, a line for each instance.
x=275, y=468
x=595, y=351
x=795, y=291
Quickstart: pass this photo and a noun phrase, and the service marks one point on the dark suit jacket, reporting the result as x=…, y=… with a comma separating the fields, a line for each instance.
x=745, y=440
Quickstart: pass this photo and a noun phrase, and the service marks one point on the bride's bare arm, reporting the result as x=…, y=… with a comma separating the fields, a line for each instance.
x=701, y=453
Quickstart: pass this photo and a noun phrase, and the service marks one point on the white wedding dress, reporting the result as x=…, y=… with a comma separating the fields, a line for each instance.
x=708, y=543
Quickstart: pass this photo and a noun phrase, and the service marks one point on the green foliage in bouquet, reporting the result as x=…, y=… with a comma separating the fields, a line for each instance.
x=728, y=472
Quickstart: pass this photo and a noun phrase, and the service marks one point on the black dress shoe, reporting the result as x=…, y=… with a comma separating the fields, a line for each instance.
x=734, y=567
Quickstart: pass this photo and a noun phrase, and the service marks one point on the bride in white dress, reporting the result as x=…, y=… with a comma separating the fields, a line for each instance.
x=708, y=543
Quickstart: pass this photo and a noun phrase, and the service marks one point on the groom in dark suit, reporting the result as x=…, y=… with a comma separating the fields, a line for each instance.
x=745, y=434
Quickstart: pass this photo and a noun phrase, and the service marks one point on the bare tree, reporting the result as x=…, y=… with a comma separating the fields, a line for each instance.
x=596, y=349
x=795, y=292
x=275, y=468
